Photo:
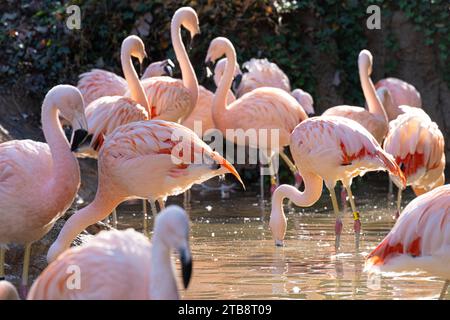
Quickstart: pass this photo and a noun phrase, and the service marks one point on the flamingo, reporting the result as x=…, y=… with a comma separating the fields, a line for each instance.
x=420, y=239
x=400, y=93
x=148, y=160
x=174, y=99
x=374, y=119
x=263, y=73
x=417, y=145
x=202, y=111
x=8, y=291
x=123, y=264
x=329, y=148
x=261, y=109
x=99, y=83
x=39, y=181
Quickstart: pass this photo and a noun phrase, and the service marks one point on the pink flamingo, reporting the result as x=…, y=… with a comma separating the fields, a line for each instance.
x=174, y=99
x=261, y=109
x=99, y=83
x=8, y=291
x=39, y=181
x=374, y=119
x=202, y=112
x=417, y=145
x=144, y=160
x=420, y=239
x=263, y=73
x=329, y=148
x=122, y=264
x=400, y=93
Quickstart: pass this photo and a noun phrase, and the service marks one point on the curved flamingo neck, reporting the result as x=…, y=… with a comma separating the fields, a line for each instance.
x=134, y=84
x=163, y=285
x=220, y=97
x=310, y=195
x=373, y=102
x=65, y=169
x=187, y=71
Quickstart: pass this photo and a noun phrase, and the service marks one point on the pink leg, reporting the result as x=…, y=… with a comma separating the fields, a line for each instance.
x=344, y=198
x=338, y=231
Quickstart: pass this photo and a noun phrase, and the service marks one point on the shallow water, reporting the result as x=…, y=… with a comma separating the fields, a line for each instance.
x=235, y=256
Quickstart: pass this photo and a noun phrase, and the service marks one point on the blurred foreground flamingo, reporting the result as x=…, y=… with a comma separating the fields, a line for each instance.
x=150, y=160
x=260, y=111
x=417, y=145
x=8, y=291
x=122, y=264
x=39, y=181
x=420, y=239
x=329, y=149
x=174, y=99
x=400, y=93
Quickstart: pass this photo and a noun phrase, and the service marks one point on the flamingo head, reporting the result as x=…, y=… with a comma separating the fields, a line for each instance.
x=305, y=100
x=172, y=227
x=189, y=20
x=365, y=61
x=278, y=222
x=159, y=68
x=134, y=46
x=220, y=69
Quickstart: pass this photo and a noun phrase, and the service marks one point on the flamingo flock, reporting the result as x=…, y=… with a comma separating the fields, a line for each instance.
x=142, y=131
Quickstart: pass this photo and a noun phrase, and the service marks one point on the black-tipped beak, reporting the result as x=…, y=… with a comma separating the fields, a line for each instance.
x=186, y=266
x=310, y=115
x=236, y=82
x=80, y=137
x=194, y=41
x=168, y=70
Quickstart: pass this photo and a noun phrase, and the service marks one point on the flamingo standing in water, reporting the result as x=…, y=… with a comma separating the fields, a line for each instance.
x=174, y=99
x=99, y=83
x=417, y=145
x=374, y=119
x=329, y=149
x=144, y=160
x=262, y=109
x=400, y=93
x=122, y=264
x=39, y=181
x=420, y=239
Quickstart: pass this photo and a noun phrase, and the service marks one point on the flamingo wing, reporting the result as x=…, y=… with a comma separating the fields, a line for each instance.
x=99, y=83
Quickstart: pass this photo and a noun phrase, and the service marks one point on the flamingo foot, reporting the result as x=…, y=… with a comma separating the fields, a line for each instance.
x=23, y=291
x=338, y=230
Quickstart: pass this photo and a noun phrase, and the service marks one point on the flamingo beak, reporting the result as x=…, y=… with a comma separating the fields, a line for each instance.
x=186, y=265
x=80, y=137
x=230, y=168
x=236, y=82
x=168, y=68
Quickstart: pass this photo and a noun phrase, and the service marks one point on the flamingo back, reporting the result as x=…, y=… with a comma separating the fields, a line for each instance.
x=111, y=265
x=419, y=239
x=417, y=145
x=99, y=83
x=262, y=73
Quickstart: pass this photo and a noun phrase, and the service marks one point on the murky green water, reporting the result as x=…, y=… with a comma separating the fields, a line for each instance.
x=235, y=257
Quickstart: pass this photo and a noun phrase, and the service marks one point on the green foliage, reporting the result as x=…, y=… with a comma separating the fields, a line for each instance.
x=37, y=51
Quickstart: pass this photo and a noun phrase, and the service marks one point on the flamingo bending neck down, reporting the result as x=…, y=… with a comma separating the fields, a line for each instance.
x=150, y=160
x=174, y=99
x=329, y=149
x=263, y=109
x=123, y=264
x=39, y=181
x=420, y=239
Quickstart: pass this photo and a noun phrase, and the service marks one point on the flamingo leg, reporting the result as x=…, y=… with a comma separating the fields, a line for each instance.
x=2, y=262
x=154, y=210
x=114, y=218
x=261, y=182
x=273, y=177
x=390, y=188
x=338, y=226
x=444, y=290
x=399, y=202
x=344, y=198
x=26, y=267
x=357, y=221
x=187, y=197
x=162, y=205
x=145, y=224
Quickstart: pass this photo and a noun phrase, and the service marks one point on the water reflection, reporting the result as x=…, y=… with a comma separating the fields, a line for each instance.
x=235, y=256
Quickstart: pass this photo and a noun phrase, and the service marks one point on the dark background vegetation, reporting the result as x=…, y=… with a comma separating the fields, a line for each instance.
x=315, y=42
